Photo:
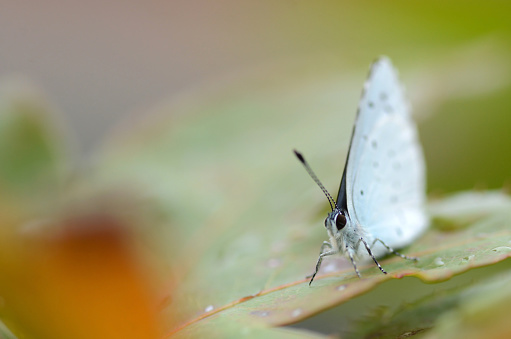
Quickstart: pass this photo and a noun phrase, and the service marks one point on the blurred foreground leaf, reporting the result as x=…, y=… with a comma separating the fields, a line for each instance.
x=32, y=151
x=71, y=260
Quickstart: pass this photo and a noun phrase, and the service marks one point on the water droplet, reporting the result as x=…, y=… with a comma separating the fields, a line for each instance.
x=296, y=312
x=341, y=288
x=261, y=313
x=209, y=308
x=331, y=267
x=468, y=258
x=274, y=263
x=439, y=262
x=501, y=249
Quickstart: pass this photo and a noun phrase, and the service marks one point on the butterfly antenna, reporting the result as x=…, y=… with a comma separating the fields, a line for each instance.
x=315, y=178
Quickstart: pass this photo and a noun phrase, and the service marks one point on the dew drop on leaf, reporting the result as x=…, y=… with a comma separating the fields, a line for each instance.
x=439, y=262
x=501, y=249
x=468, y=258
x=296, y=312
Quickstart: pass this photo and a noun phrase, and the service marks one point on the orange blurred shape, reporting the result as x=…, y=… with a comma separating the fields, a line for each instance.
x=85, y=280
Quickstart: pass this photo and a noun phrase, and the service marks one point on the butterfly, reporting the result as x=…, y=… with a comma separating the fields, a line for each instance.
x=380, y=204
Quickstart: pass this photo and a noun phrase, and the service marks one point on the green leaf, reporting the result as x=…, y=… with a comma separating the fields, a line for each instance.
x=225, y=328
x=442, y=255
x=467, y=207
x=402, y=308
x=482, y=311
x=32, y=157
x=245, y=220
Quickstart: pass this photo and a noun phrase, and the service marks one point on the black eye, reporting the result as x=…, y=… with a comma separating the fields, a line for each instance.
x=340, y=221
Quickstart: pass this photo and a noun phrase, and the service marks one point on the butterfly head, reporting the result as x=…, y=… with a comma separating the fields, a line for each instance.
x=336, y=221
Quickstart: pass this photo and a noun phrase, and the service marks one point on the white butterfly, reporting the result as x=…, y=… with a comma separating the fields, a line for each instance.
x=380, y=204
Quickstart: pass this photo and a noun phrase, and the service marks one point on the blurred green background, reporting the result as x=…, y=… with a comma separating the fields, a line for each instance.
x=101, y=62
x=235, y=86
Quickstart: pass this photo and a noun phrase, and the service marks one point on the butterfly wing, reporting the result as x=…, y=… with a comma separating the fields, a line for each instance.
x=385, y=173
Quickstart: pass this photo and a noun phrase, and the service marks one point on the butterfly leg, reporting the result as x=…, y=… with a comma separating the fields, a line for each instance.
x=325, y=244
x=371, y=254
x=391, y=250
x=353, y=260
x=322, y=254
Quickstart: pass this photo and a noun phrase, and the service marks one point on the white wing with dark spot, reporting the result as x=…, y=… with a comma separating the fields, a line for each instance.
x=385, y=173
